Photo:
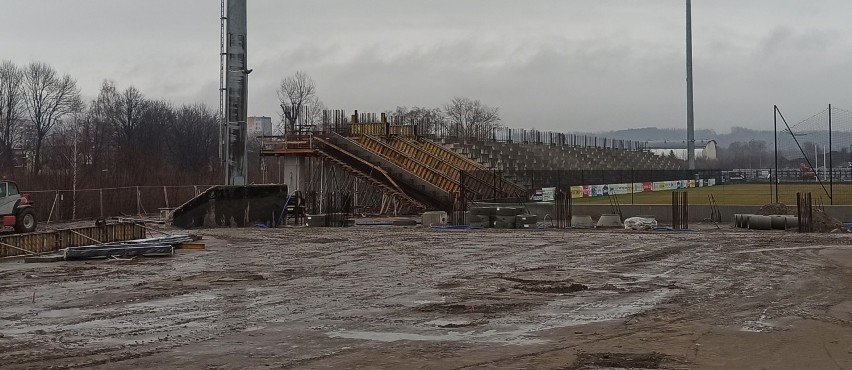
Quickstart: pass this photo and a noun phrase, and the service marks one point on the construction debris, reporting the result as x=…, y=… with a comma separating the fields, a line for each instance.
x=640, y=223
x=823, y=223
x=162, y=246
x=775, y=209
x=78, y=253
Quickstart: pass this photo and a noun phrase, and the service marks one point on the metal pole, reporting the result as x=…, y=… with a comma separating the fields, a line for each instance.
x=775, y=121
x=830, y=162
x=690, y=113
x=236, y=98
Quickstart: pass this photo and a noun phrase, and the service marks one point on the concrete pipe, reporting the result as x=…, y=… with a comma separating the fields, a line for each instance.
x=741, y=220
x=778, y=222
x=610, y=221
x=792, y=222
x=585, y=222
x=758, y=222
x=744, y=218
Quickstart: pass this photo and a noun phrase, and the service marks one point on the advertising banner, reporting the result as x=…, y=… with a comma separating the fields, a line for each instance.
x=647, y=186
x=548, y=194
x=587, y=191
x=536, y=197
x=576, y=192
x=619, y=189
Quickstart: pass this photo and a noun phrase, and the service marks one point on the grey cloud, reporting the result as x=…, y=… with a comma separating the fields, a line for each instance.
x=552, y=64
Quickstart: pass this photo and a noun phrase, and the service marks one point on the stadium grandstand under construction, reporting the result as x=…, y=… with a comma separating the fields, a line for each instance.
x=367, y=163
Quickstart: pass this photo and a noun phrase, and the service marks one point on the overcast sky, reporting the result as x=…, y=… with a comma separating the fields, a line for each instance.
x=569, y=65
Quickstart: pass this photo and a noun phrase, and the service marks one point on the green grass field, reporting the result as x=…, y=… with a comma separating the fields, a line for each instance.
x=740, y=194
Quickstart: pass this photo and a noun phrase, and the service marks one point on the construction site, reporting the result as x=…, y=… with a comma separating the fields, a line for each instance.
x=374, y=240
x=388, y=249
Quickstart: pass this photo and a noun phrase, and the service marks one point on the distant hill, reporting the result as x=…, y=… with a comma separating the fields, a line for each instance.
x=654, y=133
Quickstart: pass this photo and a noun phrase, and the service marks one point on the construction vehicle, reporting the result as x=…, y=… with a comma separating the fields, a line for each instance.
x=16, y=208
x=807, y=171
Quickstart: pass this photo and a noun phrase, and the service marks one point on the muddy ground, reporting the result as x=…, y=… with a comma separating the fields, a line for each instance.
x=394, y=297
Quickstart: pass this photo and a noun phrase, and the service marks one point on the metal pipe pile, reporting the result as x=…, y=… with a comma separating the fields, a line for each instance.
x=151, y=246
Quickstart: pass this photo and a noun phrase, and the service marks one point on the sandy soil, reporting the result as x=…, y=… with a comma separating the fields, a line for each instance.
x=394, y=297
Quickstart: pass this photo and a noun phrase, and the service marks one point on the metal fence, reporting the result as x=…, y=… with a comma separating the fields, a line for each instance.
x=817, y=151
x=68, y=205
x=338, y=121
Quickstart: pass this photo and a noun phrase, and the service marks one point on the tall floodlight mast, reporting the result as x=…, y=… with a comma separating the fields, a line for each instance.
x=235, y=99
x=690, y=113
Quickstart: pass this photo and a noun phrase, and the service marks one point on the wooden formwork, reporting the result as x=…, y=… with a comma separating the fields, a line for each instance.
x=51, y=241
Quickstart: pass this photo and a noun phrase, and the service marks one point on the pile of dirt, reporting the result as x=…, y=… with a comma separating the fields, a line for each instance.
x=775, y=209
x=823, y=223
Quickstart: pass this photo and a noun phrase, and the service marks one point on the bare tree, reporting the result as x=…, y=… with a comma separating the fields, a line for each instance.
x=428, y=120
x=313, y=111
x=295, y=93
x=126, y=118
x=466, y=117
x=48, y=99
x=192, y=139
x=99, y=129
x=11, y=105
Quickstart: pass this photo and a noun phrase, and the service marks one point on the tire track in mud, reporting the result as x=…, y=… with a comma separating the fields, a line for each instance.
x=387, y=282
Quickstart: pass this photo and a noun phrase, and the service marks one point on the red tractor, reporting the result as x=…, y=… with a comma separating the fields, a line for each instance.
x=16, y=208
x=807, y=172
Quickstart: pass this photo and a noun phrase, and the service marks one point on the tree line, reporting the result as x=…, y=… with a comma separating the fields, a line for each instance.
x=301, y=109
x=50, y=137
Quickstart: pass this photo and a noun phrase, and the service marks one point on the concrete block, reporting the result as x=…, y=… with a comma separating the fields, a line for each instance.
x=509, y=211
x=315, y=221
x=505, y=219
x=526, y=219
x=478, y=219
x=483, y=211
x=503, y=225
x=435, y=218
x=610, y=220
x=404, y=222
x=582, y=222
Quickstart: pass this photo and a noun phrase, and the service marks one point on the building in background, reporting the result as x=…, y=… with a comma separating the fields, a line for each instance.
x=259, y=126
x=704, y=149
